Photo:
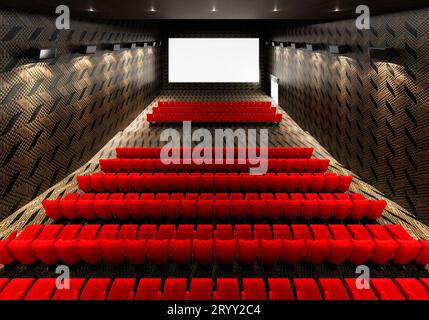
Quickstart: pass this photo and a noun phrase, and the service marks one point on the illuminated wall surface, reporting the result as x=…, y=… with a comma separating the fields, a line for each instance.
x=372, y=116
x=56, y=114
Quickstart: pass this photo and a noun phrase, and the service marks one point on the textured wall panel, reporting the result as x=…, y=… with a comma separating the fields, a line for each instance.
x=56, y=114
x=372, y=116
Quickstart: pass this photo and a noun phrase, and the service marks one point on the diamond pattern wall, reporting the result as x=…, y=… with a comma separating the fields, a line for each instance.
x=56, y=114
x=371, y=115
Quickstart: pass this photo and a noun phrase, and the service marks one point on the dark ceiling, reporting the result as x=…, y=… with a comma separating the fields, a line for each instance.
x=214, y=9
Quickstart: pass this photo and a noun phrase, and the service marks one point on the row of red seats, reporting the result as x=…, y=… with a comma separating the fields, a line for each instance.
x=208, y=109
x=220, y=206
x=214, y=117
x=214, y=103
x=212, y=182
x=226, y=152
x=226, y=289
x=237, y=165
x=116, y=244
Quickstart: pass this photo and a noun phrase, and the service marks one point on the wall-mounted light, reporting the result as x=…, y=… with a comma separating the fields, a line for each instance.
x=42, y=54
x=314, y=46
x=382, y=53
x=339, y=49
x=131, y=45
x=274, y=43
x=297, y=45
x=88, y=49
x=283, y=44
x=113, y=47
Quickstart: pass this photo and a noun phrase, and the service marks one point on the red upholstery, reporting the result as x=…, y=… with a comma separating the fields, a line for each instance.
x=306, y=289
x=236, y=206
x=113, y=243
x=232, y=165
x=215, y=111
x=226, y=152
x=206, y=182
x=203, y=289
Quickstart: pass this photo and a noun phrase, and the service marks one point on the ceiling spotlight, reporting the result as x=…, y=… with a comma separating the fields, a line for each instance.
x=152, y=9
x=214, y=9
x=336, y=9
x=91, y=10
x=275, y=9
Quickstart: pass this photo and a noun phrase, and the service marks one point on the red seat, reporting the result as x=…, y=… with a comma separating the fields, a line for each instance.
x=341, y=246
x=175, y=289
x=71, y=293
x=333, y=289
x=42, y=289
x=280, y=289
x=386, y=289
x=122, y=289
x=201, y=289
x=202, y=246
x=270, y=250
x=408, y=247
x=359, y=293
x=225, y=244
x=112, y=247
x=253, y=289
x=66, y=244
x=306, y=289
x=16, y=289
x=88, y=246
x=43, y=245
x=293, y=251
x=385, y=247
x=363, y=244
x=227, y=289
x=412, y=289
x=149, y=289
x=95, y=289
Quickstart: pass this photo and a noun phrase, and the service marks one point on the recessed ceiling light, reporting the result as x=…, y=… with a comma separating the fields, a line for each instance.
x=336, y=9
x=214, y=9
x=152, y=9
x=275, y=9
x=91, y=9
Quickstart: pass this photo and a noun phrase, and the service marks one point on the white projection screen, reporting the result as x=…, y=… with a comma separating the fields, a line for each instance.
x=209, y=60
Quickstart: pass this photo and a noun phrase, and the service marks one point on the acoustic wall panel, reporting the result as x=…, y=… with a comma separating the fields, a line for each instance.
x=57, y=113
x=371, y=115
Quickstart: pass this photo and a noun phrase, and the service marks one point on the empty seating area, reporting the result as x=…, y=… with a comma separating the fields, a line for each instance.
x=222, y=206
x=221, y=289
x=213, y=182
x=302, y=202
x=203, y=244
x=214, y=112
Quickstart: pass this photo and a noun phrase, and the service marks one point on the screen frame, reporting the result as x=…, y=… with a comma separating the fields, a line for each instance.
x=259, y=71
